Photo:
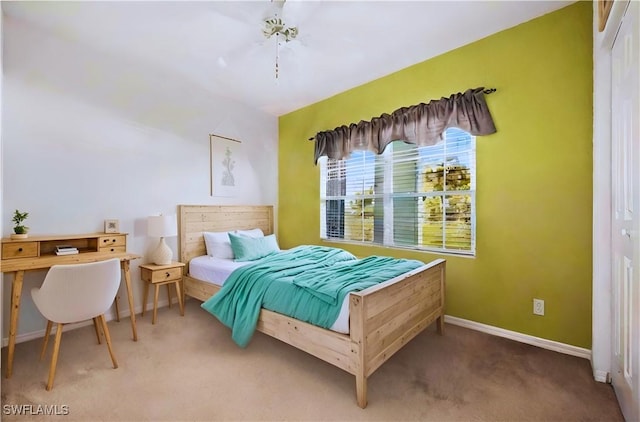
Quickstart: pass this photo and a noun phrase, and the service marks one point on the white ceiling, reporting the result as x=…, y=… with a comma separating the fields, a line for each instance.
x=219, y=44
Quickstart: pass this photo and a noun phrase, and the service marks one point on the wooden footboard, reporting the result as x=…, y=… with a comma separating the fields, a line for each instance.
x=383, y=318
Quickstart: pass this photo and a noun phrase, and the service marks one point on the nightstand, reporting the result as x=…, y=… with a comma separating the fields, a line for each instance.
x=160, y=275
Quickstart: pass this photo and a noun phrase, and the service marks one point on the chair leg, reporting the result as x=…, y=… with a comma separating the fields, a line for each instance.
x=107, y=338
x=54, y=358
x=97, y=328
x=46, y=340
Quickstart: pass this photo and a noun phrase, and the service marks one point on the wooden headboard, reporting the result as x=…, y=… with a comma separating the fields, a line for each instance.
x=196, y=219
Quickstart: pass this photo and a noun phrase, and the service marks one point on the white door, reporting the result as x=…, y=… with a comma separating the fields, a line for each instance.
x=625, y=120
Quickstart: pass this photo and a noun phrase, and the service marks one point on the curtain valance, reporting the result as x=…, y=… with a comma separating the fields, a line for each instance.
x=421, y=124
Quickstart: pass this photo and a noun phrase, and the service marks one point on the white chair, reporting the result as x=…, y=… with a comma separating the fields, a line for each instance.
x=74, y=293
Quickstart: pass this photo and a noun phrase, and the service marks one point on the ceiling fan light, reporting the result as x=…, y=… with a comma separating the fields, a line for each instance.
x=272, y=26
x=276, y=26
x=290, y=33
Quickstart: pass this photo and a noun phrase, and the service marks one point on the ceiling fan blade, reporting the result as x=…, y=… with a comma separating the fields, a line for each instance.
x=234, y=56
x=249, y=12
x=297, y=12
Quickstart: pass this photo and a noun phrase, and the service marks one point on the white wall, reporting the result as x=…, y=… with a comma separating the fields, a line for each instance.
x=89, y=135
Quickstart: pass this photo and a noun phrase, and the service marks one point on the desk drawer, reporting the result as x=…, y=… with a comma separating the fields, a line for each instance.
x=111, y=241
x=19, y=250
x=113, y=249
x=161, y=275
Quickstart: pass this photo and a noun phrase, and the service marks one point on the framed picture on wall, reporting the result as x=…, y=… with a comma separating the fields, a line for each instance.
x=111, y=226
x=226, y=155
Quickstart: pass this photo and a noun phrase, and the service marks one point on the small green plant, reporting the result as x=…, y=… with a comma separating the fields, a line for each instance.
x=18, y=218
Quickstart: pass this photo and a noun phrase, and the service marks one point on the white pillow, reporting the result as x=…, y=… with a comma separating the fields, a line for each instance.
x=218, y=244
x=250, y=233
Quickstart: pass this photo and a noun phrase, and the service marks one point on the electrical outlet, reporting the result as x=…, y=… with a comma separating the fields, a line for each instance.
x=538, y=307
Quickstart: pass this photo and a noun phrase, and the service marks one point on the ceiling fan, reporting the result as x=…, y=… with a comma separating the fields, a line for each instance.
x=273, y=22
x=275, y=26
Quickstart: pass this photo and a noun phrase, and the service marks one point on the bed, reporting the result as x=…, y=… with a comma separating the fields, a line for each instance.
x=381, y=319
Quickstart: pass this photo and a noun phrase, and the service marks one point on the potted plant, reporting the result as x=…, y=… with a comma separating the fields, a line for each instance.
x=20, y=230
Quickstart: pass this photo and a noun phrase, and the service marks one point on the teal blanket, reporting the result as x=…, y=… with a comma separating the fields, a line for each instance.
x=308, y=283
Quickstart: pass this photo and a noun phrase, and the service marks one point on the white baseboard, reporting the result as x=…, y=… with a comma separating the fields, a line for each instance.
x=601, y=376
x=111, y=316
x=522, y=338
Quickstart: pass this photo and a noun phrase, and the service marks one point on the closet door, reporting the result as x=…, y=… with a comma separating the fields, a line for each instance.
x=625, y=119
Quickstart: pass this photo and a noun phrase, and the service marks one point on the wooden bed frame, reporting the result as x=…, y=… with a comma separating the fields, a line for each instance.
x=383, y=318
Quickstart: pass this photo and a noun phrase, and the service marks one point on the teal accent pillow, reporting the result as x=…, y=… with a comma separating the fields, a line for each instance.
x=251, y=248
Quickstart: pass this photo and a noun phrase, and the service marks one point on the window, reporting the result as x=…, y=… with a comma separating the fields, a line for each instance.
x=408, y=197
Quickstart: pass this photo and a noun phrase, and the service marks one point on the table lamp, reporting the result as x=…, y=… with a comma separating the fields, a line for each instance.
x=162, y=226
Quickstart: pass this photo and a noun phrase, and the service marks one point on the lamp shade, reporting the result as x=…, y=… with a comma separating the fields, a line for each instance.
x=162, y=226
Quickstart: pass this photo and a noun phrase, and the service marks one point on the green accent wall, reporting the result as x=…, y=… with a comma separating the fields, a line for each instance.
x=534, y=176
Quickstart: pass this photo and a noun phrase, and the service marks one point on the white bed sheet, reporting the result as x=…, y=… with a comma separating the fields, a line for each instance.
x=217, y=270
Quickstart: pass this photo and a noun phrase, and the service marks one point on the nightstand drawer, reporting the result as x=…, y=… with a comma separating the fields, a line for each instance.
x=19, y=250
x=158, y=276
x=111, y=241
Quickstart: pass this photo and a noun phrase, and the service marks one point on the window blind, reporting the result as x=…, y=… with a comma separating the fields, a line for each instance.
x=408, y=196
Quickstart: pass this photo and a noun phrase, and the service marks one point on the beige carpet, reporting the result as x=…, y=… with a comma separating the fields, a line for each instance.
x=188, y=368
